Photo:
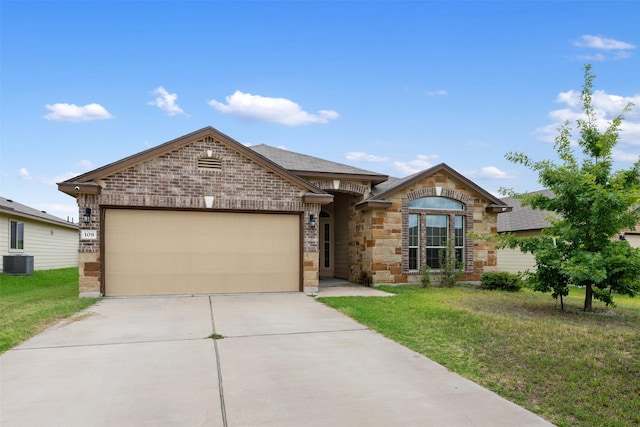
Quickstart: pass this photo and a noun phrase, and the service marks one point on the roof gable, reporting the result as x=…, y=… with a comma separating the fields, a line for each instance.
x=394, y=185
x=87, y=181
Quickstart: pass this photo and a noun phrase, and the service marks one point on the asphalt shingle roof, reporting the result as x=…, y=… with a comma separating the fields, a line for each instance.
x=523, y=218
x=301, y=162
x=18, y=209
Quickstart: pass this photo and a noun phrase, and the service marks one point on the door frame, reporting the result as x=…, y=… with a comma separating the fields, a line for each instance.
x=326, y=221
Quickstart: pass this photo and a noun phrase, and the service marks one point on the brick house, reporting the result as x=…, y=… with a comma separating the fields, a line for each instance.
x=205, y=214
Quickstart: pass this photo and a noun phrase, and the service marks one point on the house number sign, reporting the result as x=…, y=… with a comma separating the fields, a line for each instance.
x=89, y=234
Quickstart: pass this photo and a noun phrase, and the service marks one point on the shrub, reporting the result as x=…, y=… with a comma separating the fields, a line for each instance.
x=450, y=268
x=502, y=281
x=426, y=276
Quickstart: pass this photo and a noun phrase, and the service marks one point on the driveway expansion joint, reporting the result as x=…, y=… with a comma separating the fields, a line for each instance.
x=223, y=408
x=103, y=344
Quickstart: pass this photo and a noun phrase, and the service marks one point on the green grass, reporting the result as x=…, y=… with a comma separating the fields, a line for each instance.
x=30, y=304
x=572, y=368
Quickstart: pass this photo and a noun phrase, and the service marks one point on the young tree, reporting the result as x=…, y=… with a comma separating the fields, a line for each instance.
x=592, y=204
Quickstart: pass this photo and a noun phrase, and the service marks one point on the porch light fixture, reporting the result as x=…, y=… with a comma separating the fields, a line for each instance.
x=312, y=221
x=87, y=215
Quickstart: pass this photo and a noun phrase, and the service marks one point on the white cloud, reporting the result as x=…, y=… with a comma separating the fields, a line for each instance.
x=621, y=156
x=571, y=98
x=24, y=173
x=607, y=49
x=65, y=211
x=84, y=164
x=276, y=110
x=600, y=57
x=490, y=172
x=62, y=112
x=59, y=178
x=606, y=107
x=166, y=101
x=420, y=163
x=439, y=92
x=604, y=43
x=357, y=156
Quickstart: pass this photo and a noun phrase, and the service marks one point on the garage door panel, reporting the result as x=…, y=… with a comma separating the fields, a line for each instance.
x=176, y=252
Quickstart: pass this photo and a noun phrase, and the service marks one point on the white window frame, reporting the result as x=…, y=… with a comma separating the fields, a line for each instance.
x=16, y=235
x=414, y=242
x=455, y=213
x=430, y=246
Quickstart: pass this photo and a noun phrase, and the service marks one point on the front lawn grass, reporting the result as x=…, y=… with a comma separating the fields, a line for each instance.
x=30, y=304
x=572, y=368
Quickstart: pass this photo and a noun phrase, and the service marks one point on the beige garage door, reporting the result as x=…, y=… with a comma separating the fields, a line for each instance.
x=151, y=252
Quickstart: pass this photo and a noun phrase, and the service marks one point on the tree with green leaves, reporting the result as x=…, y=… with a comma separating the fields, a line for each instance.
x=591, y=205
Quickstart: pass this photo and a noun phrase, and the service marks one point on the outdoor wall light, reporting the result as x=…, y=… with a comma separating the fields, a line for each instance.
x=312, y=220
x=87, y=215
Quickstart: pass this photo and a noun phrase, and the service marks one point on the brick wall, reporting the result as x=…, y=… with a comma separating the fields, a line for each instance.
x=174, y=180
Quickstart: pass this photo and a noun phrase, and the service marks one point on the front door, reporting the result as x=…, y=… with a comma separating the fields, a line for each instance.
x=326, y=246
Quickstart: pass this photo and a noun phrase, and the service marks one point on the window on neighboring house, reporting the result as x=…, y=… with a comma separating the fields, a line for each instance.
x=17, y=235
x=442, y=222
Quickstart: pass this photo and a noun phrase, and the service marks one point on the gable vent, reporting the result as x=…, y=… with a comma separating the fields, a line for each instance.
x=209, y=163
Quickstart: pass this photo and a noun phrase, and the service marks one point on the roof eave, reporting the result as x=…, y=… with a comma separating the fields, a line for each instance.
x=75, y=188
x=374, y=204
x=322, y=199
x=520, y=230
x=61, y=222
x=375, y=179
x=499, y=208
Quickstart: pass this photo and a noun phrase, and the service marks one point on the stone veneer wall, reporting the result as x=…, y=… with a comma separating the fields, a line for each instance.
x=173, y=180
x=379, y=233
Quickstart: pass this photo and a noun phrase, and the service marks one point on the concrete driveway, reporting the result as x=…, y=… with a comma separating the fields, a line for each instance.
x=286, y=360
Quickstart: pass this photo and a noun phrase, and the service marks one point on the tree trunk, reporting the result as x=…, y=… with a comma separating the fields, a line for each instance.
x=588, y=298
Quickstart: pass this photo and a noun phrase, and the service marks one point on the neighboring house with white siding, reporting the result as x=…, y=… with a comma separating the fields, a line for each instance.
x=523, y=221
x=633, y=237
x=52, y=241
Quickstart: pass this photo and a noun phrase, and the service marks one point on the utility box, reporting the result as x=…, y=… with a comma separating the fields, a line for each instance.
x=17, y=264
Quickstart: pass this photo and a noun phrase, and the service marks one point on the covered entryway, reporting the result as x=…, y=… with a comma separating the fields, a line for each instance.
x=334, y=237
x=163, y=252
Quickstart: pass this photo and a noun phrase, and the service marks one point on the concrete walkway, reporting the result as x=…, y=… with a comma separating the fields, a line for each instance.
x=286, y=360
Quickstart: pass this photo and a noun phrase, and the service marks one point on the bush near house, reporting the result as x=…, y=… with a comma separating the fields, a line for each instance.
x=501, y=280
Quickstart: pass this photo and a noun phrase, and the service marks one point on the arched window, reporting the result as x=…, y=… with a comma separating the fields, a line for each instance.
x=436, y=225
x=441, y=203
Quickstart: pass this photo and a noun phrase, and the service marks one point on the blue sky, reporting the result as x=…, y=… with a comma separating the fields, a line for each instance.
x=388, y=86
